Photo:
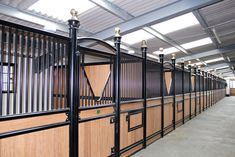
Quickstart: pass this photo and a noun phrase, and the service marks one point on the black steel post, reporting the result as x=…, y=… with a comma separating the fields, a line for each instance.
x=199, y=89
x=161, y=57
x=144, y=54
x=203, y=89
x=182, y=73
x=74, y=91
x=117, y=70
x=190, y=90
x=195, y=88
x=206, y=75
x=173, y=86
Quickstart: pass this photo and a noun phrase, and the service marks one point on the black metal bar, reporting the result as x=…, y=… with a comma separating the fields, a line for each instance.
x=21, y=70
x=38, y=69
x=74, y=88
x=144, y=66
x=206, y=75
x=15, y=70
x=48, y=73
x=8, y=70
x=1, y=72
x=61, y=74
x=173, y=88
x=30, y=115
x=199, y=86
x=53, y=71
x=43, y=72
x=203, y=90
x=117, y=71
x=33, y=46
x=31, y=130
x=182, y=72
x=190, y=91
x=161, y=57
x=27, y=73
x=195, y=88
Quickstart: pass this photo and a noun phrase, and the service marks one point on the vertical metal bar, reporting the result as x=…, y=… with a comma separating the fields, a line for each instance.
x=144, y=64
x=43, y=72
x=117, y=70
x=53, y=73
x=199, y=86
x=33, y=47
x=65, y=75
x=190, y=91
x=8, y=70
x=203, y=85
x=57, y=73
x=195, y=88
x=48, y=55
x=61, y=74
x=15, y=71
x=74, y=88
x=27, y=73
x=173, y=86
x=206, y=75
x=182, y=72
x=1, y=72
x=21, y=70
x=161, y=57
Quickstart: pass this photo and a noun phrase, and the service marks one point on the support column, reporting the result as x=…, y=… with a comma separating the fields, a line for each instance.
x=182, y=73
x=173, y=85
x=195, y=88
x=73, y=92
x=161, y=57
x=117, y=71
x=203, y=89
x=190, y=90
x=206, y=75
x=144, y=65
x=199, y=89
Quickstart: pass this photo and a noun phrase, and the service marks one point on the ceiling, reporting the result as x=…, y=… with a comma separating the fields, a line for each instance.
x=216, y=20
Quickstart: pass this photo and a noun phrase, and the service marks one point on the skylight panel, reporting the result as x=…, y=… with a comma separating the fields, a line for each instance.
x=60, y=9
x=215, y=60
x=136, y=37
x=167, y=51
x=175, y=24
x=197, y=43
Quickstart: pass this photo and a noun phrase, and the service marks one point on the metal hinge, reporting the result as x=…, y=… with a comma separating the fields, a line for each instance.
x=112, y=120
x=112, y=150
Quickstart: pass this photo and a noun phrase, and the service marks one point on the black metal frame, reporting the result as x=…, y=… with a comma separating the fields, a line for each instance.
x=73, y=112
x=161, y=58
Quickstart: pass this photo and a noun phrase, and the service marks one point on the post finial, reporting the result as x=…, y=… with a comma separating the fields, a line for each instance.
x=182, y=60
x=117, y=32
x=173, y=56
x=161, y=50
x=73, y=12
x=189, y=62
x=144, y=44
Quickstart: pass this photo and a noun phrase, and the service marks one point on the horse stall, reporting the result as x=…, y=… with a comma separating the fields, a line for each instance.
x=80, y=96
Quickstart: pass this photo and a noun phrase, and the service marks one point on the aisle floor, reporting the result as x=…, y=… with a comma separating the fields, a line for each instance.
x=210, y=134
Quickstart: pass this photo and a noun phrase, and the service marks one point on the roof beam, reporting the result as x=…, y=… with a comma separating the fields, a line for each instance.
x=37, y=19
x=215, y=66
x=205, y=26
x=117, y=11
x=205, y=54
x=158, y=15
x=113, y=9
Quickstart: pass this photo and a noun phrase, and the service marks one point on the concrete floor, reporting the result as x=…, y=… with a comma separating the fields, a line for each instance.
x=210, y=134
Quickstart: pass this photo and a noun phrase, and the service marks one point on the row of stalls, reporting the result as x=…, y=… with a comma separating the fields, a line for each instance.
x=70, y=97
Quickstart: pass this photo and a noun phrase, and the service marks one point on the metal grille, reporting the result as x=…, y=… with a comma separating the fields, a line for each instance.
x=32, y=71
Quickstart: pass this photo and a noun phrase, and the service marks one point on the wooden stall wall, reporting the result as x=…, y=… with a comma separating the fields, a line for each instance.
x=46, y=143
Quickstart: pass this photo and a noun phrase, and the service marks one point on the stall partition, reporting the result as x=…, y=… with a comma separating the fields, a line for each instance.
x=79, y=96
